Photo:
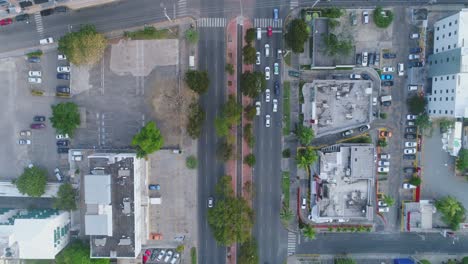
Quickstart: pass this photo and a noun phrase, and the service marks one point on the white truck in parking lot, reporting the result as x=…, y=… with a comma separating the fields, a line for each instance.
x=386, y=98
x=46, y=41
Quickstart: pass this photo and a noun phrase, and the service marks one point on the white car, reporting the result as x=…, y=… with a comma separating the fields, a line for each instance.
x=383, y=169
x=168, y=256
x=410, y=144
x=46, y=41
x=409, y=151
x=384, y=163
x=175, y=258
x=382, y=204
x=34, y=74
x=276, y=68
x=267, y=95
x=267, y=50
x=60, y=136
x=161, y=255
x=304, y=203
x=414, y=57
x=365, y=17
x=257, y=61
x=364, y=59
x=24, y=142
x=257, y=107
x=267, y=120
x=384, y=156
x=61, y=57
x=275, y=105
x=414, y=35
x=388, y=69
x=383, y=209
x=267, y=73
x=408, y=186
x=411, y=117
x=34, y=80
x=25, y=133
x=63, y=69
x=401, y=69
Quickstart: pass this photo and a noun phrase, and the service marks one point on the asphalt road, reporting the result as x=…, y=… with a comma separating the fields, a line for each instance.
x=375, y=243
x=268, y=230
x=211, y=48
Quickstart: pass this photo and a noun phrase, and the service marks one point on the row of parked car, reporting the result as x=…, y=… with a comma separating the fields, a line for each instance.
x=63, y=73
x=160, y=256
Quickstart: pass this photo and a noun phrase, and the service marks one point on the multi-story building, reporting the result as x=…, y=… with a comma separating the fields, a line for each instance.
x=33, y=233
x=448, y=67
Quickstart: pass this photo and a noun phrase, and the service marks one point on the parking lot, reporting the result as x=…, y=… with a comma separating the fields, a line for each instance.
x=19, y=107
x=161, y=255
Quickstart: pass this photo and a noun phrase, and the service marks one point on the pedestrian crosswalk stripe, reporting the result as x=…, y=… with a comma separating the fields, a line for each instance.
x=292, y=241
x=268, y=22
x=39, y=25
x=294, y=4
x=181, y=8
x=211, y=22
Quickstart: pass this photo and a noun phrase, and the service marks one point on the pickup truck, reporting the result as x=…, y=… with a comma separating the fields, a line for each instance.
x=46, y=41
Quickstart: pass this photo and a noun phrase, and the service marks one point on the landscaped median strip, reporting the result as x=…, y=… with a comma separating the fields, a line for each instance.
x=286, y=108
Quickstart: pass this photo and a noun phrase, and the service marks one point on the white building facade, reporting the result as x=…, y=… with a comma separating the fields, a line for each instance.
x=448, y=67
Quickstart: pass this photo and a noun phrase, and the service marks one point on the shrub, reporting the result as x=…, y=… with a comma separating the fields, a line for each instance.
x=148, y=33
x=286, y=153
x=382, y=18
x=229, y=68
x=250, y=159
x=191, y=162
x=36, y=53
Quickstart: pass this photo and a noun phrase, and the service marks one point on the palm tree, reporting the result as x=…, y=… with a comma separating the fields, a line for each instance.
x=449, y=206
x=309, y=232
x=286, y=214
x=388, y=200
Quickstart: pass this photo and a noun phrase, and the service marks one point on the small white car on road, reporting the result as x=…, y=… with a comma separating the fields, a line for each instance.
x=401, y=69
x=257, y=61
x=384, y=156
x=382, y=204
x=34, y=73
x=34, y=80
x=304, y=203
x=267, y=95
x=24, y=142
x=46, y=41
x=267, y=73
x=275, y=105
x=257, y=107
x=411, y=117
x=388, y=69
x=383, y=209
x=410, y=151
x=410, y=144
x=63, y=69
x=267, y=120
x=267, y=50
x=408, y=186
x=168, y=256
x=383, y=169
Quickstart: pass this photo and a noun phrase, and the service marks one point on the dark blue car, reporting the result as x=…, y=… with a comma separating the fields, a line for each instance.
x=63, y=76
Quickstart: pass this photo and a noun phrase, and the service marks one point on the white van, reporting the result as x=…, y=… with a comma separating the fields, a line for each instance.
x=401, y=69
x=259, y=33
x=412, y=87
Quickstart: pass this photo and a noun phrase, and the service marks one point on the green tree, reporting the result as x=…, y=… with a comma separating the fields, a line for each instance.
x=221, y=126
x=224, y=151
x=78, y=252
x=309, y=232
x=305, y=134
x=250, y=112
x=229, y=68
x=416, y=104
x=332, y=12
x=65, y=118
x=252, y=83
x=286, y=153
x=191, y=35
x=249, y=252
x=180, y=248
x=453, y=212
x=249, y=159
x=66, y=198
x=382, y=18
x=198, y=81
x=32, y=182
x=248, y=135
x=445, y=124
x=382, y=142
x=306, y=157
x=388, y=200
x=423, y=121
x=332, y=23
x=462, y=159
x=250, y=35
x=425, y=261
x=297, y=35
x=191, y=162
x=83, y=47
x=249, y=54
x=231, y=219
x=343, y=260
x=196, y=117
x=148, y=140
x=464, y=260
x=415, y=180
x=336, y=46
x=232, y=111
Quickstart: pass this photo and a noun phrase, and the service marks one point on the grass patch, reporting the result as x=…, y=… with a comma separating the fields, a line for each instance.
x=301, y=96
x=287, y=59
x=285, y=188
x=36, y=53
x=193, y=255
x=286, y=108
x=344, y=68
x=379, y=71
x=37, y=261
x=149, y=33
x=362, y=139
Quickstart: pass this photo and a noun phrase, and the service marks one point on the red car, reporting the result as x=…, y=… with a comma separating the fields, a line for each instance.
x=38, y=126
x=6, y=21
x=269, y=31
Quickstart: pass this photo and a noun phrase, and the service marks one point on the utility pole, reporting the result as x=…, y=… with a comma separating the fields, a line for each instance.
x=165, y=14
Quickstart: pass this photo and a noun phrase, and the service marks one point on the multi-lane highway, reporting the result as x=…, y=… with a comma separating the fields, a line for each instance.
x=267, y=171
